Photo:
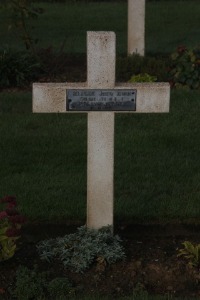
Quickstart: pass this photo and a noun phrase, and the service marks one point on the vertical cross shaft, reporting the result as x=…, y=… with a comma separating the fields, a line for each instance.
x=100, y=158
x=53, y=98
x=136, y=26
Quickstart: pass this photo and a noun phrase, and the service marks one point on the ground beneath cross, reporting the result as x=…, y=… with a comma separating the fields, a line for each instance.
x=151, y=261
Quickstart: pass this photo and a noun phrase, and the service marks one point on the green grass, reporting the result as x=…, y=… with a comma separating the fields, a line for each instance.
x=43, y=157
x=168, y=24
x=43, y=161
x=157, y=159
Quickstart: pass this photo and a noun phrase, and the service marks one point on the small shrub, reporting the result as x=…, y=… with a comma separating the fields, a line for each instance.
x=139, y=292
x=135, y=64
x=79, y=250
x=143, y=78
x=185, y=68
x=10, y=225
x=17, y=69
x=59, y=288
x=30, y=284
x=58, y=65
x=191, y=253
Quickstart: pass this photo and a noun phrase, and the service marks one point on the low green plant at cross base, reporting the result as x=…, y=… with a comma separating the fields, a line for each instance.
x=79, y=250
x=191, y=253
x=10, y=225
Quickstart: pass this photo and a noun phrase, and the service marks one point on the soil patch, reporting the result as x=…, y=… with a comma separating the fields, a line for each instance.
x=151, y=262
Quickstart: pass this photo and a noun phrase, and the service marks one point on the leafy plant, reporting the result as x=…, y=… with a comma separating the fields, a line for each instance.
x=30, y=284
x=143, y=78
x=17, y=68
x=185, y=68
x=191, y=252
x=140, y=293
x=10, y=225
x=135, y=64
x=59, y=288
x=79, y=250
x=55, y=64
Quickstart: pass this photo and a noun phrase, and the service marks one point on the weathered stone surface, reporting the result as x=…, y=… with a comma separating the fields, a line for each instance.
x=151, y=97
x=101, y=58
x=136, y=26
x=100, y=169
x=51, y=97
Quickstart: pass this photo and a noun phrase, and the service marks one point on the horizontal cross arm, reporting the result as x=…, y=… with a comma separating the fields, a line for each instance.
x=52, y=97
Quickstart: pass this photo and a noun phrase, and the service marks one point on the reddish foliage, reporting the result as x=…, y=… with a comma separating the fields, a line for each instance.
x=8, y=199
x=2, y=291
x=13, y=232
x=3, y=215
x=12, y=212
x=181, y=49
x=17, y=219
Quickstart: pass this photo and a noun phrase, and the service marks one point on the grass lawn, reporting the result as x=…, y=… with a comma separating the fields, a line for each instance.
x=43, y=161
x=68, y=23
x=43, y=156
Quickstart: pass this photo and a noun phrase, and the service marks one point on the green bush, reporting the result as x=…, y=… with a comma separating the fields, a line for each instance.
x=143, y=78
x=17, y=69
x=29, y=284
x=32, y=284
x=79, y=250
x=59, y=66
x=185, y=68
x=135, y=64
x=59, y=288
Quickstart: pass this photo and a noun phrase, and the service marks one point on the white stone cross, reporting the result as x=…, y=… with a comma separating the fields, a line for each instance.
x=54, y=97
x=136, y=27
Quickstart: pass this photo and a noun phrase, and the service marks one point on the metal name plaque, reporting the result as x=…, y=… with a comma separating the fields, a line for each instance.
x=101, y=100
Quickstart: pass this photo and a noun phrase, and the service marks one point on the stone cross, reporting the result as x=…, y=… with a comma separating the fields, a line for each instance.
x=100, y=97
x=136, y=27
